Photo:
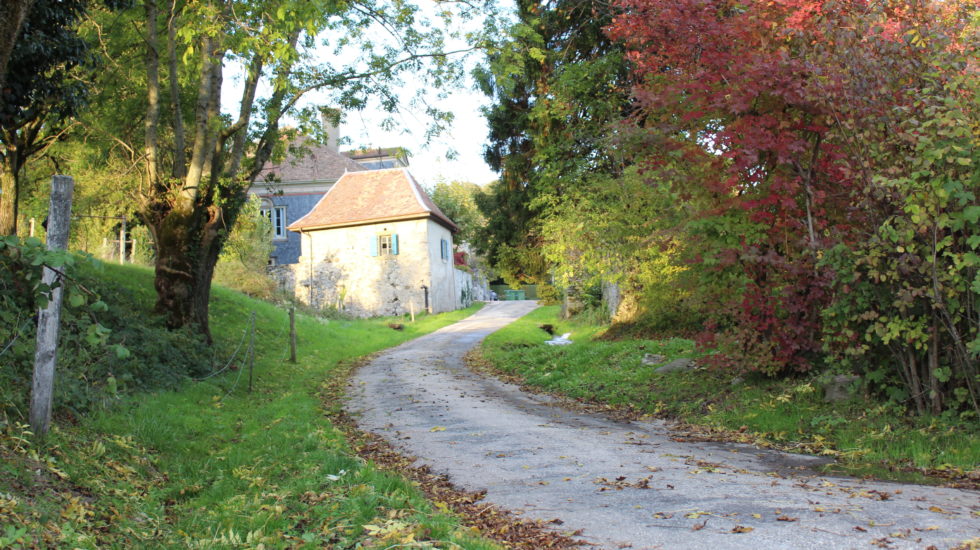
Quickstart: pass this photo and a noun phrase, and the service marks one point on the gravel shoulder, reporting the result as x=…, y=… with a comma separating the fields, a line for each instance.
x=628, y=484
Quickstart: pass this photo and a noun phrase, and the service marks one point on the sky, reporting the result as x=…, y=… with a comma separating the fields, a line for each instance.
x=429, y=163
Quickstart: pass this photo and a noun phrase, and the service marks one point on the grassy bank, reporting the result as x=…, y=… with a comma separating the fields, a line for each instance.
x=865, y=437
x=214, y=466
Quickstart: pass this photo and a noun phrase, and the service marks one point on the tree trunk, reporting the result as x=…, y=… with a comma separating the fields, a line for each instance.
x=9, y=191
x=152, y=121
x=916, y=386
x=935, y=389
x=188, y=246
x=12, y=15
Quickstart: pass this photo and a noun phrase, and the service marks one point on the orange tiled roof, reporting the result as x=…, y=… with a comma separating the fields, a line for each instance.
x=372, y=196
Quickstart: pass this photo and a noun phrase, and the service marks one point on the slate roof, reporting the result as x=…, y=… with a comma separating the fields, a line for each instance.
x=320, y=163
x=372, y=196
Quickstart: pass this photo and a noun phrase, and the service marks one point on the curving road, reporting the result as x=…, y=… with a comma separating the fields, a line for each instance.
x=629, y=485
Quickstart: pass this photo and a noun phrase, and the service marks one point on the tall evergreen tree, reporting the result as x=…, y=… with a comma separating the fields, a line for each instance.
x=558, y=85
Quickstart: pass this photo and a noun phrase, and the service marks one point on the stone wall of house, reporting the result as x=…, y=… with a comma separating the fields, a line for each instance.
x=336, y=270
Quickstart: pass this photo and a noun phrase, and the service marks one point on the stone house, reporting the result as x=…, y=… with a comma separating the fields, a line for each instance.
x=376, y=244
x=291, y=188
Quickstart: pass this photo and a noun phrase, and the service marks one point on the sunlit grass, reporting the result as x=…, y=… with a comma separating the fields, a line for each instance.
x=865, y=437
x=214, y=466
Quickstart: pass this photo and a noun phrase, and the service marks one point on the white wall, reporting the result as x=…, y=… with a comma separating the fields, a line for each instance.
x=346, y=276
x=443, y=295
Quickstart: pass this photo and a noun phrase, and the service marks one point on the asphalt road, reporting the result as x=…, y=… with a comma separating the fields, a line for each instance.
x=628, y=484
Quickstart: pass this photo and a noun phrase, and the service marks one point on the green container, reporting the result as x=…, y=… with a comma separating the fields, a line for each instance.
x=511, y=294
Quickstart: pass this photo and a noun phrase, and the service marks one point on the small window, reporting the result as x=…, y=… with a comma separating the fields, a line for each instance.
x=277, y=216
x=444, y=249
x=384, y=245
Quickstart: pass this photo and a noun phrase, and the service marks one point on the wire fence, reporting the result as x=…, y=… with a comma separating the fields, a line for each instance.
x=244, y=355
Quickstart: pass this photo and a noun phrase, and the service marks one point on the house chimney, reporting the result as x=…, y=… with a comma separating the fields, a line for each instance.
x=330, y=117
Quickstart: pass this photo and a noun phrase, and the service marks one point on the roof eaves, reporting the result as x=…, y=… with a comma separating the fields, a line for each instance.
x=354, y=223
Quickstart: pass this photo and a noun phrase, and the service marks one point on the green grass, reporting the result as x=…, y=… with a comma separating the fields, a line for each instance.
x=213, y=466
x=865, y=437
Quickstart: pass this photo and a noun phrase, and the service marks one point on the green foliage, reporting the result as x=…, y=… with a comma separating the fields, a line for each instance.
x=557, y=84
x=243, y=263
x=108, y=346
x=905, y=313
x=613, y=229
x=457, y=199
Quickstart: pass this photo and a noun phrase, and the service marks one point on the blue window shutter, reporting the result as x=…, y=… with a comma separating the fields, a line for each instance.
x=374, y=245
x=443, y=249
x=394, y=243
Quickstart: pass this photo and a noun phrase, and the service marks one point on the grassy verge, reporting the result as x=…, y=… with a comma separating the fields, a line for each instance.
x=214, y=466
x=866, y=438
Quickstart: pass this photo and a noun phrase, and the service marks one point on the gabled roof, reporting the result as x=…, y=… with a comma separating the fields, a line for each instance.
x=319, y=163
x=372, y=196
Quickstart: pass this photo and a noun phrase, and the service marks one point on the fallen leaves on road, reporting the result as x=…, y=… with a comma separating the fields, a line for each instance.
x=742, y=529
x=621, y=483
x=492, y=522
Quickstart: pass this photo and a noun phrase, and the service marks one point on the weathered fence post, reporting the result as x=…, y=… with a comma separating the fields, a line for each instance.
x=251, y=350
x=42, y=389
x=292, y=334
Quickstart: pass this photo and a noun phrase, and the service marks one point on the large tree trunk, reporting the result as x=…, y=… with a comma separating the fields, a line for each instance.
x=188, y=245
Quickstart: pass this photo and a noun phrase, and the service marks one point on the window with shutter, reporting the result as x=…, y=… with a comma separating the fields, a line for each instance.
x=384, y=245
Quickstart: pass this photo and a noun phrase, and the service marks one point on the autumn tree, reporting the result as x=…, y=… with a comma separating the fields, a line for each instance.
x=731, y=86
x=839, y=134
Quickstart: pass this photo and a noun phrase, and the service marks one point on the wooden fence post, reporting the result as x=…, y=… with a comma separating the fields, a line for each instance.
x=251, y=350
x=292, y=334
x=42, y=389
